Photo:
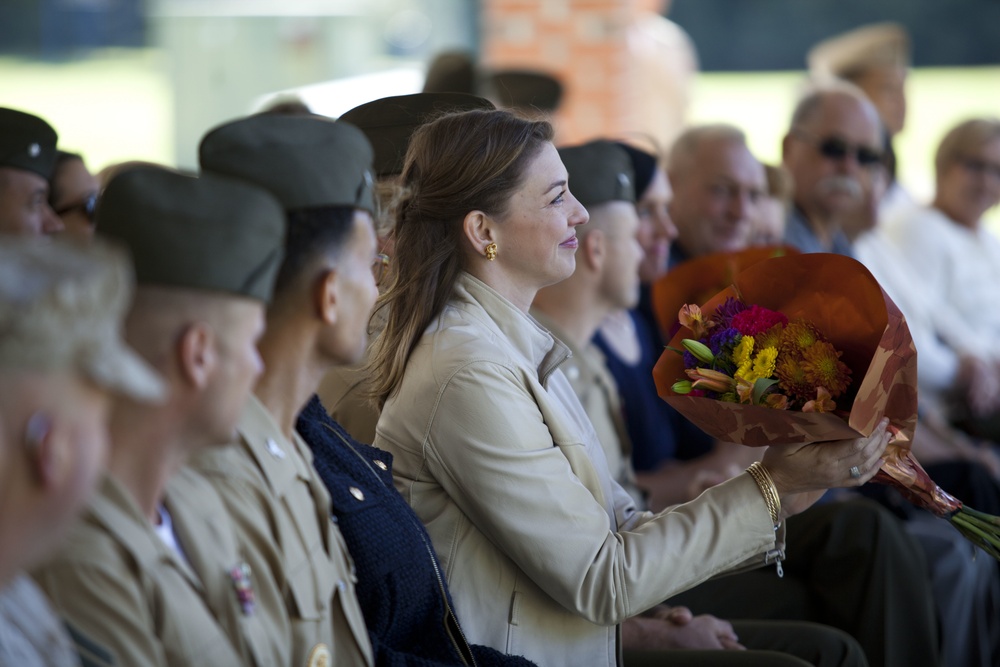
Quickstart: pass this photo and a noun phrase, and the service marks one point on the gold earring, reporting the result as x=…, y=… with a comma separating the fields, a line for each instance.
x=491, y=251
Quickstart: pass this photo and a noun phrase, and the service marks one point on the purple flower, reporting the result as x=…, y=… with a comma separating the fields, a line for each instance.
x=725, y=313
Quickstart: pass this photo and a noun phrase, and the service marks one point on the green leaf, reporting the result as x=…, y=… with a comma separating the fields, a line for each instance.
x=760, y=388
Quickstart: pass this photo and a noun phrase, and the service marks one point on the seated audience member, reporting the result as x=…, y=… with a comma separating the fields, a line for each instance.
x=712, y=169
x=833, y=143
x=772, y=208
x=606, y=278
x=387, y=123
x=61, y=358
x=154, y=574
x=73, y=194
x=947, y=243
x=319, y=170
x=631, y=343
x=27, y=154
x=545, y=554
x=683, y=461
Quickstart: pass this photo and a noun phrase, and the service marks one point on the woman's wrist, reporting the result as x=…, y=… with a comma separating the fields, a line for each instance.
x=767, y=488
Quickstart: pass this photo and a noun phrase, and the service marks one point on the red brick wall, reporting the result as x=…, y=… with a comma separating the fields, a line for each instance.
x=581, y=42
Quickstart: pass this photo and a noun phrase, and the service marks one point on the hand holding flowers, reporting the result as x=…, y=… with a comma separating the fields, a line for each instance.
x=844, y=362
x=802, y=473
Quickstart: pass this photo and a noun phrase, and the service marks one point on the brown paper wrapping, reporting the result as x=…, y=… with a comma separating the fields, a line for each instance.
x=845, y=302
x=698, y=280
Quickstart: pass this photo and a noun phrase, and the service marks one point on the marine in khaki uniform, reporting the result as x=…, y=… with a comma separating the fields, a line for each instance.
x=320, y=171
x=61, y=359
x=153, y=574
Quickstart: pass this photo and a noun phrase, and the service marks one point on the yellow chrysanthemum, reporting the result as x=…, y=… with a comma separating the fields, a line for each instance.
x=743, y=357
x=764, y=363
x=823, y=368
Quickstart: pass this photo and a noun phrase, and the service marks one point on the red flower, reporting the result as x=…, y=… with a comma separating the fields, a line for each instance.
x=755, y=320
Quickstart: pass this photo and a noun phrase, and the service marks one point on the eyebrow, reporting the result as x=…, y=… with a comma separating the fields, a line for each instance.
x=556, y=184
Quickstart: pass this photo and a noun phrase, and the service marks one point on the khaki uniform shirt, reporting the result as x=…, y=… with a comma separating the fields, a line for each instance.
x=127, y=597
x=282, y=511
x=237, y=596
x=544, y=552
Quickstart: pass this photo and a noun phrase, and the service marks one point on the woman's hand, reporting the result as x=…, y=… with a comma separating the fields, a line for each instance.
x=667, y=628
x=802, y=473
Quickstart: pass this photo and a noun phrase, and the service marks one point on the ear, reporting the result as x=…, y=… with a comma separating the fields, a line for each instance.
x=786, y=143
x=196, y=354
x=593, y=250
x=325, y=296
x=478, y=228
x=42, y=449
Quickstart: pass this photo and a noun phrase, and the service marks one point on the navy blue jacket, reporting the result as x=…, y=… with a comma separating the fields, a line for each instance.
x=402, y=591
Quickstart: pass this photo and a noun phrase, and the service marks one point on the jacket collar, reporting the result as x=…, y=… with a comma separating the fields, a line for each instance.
x=114, y=508
x=540, y=348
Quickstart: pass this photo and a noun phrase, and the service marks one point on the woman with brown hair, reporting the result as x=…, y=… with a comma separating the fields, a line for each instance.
x=544, y=553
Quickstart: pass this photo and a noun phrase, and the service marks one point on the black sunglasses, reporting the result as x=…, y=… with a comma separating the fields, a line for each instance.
x=835, y=148
x=88, y=207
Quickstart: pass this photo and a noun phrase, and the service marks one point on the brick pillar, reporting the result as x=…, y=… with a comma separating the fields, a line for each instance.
x=583, y=43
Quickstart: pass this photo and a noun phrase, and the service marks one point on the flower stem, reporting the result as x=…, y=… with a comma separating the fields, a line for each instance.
x=983, y=538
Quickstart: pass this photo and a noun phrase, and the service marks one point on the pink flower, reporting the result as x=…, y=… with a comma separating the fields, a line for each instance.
x=756, y=320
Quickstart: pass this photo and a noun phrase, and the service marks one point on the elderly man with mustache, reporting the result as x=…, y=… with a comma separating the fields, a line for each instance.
x=832, y=150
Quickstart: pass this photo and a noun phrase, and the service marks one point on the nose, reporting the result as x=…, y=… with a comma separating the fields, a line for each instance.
x=739, y=206
x=579, y=216
x=51, y=223
x=665, y=227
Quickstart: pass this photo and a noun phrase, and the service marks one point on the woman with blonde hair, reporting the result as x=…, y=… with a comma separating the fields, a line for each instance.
x=544, y=553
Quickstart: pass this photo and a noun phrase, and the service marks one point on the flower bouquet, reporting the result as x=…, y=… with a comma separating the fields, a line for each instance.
x=802, y=349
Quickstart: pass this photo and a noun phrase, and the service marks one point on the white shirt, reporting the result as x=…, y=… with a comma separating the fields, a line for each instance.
x=937, y=360
x=165, y=531
x=960, y=268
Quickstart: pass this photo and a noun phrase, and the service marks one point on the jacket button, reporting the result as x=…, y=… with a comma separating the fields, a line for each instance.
x=357, y=493
x=381, y=465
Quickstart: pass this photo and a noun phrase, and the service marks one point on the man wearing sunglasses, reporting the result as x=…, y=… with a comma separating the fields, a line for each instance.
x=831, y=150
x=73, y=194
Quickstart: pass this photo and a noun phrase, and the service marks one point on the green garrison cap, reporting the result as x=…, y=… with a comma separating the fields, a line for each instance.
x=61, y=308
x=208, y=233
x=389, y=122
x=305, y=161
x=525, y=89
x=27, y=142
x=599, y=171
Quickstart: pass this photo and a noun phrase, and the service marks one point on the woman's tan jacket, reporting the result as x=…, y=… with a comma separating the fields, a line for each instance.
x=544, y=553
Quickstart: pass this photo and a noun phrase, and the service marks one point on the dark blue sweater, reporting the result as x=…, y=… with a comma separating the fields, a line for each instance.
x=401, y=588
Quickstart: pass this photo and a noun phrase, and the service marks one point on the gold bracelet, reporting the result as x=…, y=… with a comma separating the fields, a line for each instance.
x=767, y=489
